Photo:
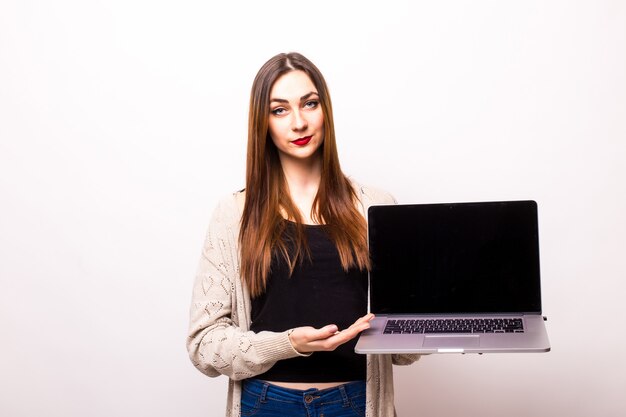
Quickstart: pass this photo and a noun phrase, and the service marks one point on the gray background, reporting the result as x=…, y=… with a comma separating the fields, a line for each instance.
x=123, y=122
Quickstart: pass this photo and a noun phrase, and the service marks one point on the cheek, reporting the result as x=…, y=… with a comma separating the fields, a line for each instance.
x=319, y=121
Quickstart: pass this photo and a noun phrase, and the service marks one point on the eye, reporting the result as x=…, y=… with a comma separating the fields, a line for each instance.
x=278, y=111
x=311, y=104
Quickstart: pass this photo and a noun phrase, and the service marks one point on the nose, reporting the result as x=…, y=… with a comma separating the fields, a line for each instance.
x=298, y=122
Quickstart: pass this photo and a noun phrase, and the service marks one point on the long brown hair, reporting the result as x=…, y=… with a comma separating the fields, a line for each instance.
x=262, y=224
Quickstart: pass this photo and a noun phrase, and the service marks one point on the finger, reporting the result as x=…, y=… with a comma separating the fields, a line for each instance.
x=323, y=333
x=363, y=321
x=366, y=318
x=328, y=337
x=357, y=328
x=349, y=333
x=340, y=338
x=330, y=329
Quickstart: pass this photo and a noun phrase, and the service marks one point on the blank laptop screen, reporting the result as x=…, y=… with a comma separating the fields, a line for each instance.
x=460, y=258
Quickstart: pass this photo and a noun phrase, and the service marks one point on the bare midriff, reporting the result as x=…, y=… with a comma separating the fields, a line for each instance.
x=307, y=385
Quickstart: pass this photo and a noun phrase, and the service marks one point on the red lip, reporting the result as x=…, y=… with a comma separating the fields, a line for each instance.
x=302, y=141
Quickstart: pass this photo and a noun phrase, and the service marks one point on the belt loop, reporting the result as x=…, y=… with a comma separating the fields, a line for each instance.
x=264, y=392
x=344, y=395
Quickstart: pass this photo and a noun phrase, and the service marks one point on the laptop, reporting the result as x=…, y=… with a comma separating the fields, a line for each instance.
x=454, y=278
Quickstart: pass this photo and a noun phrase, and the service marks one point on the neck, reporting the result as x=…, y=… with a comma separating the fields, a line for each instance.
x=302, y=175
x=303, y=179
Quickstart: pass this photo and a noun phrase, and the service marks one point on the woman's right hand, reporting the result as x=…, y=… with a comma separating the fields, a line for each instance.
x=309, y=339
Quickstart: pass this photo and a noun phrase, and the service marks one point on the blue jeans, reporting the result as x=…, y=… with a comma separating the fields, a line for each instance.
x=261, y=399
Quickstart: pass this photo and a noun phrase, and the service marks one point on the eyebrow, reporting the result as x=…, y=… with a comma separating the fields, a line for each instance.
x=304, y=97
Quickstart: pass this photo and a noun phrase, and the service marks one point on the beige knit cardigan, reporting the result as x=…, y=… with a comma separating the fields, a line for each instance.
x=220, y=342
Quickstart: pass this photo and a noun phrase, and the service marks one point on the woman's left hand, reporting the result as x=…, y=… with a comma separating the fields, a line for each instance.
x=309, y=339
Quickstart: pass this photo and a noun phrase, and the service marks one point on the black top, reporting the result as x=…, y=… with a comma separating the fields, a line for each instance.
x=318, y=293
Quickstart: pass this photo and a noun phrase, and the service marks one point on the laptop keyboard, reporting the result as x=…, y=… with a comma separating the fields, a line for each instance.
x=490, y=325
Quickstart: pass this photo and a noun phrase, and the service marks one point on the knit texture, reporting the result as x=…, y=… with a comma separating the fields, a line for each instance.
x=220, y=342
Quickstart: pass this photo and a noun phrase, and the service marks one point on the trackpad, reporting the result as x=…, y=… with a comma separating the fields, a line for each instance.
x=463, y=342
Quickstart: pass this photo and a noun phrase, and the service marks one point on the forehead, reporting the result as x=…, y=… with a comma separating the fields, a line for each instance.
x=292, y=85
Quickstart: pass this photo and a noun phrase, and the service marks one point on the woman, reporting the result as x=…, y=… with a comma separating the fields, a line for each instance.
x=281, y=290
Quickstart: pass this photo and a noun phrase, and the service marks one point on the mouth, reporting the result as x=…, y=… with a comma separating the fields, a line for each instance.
x=302, y=141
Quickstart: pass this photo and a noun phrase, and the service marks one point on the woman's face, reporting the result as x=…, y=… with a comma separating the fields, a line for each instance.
x=296, y=120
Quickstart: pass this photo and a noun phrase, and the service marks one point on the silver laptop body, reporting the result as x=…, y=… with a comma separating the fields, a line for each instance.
x=454, y=278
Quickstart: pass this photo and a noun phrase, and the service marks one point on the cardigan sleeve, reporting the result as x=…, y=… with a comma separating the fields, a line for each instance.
x=216, y=343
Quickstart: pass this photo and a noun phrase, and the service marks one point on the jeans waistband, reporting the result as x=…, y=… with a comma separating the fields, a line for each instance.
x=266, y=390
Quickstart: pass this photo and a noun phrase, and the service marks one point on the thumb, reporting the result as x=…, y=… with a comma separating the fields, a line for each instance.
x=328, y=330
